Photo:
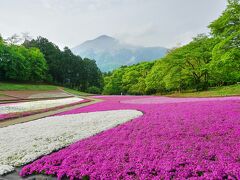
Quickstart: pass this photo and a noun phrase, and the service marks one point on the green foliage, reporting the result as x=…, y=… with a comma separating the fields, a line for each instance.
x=94, y=90
x=67, y=69
x=40, y=60
x=22, y=64
x=154, y=79
x=225, y=66
x=128, y=80
x=76, y=92
x=23, y=86
x=182, y=68
x=134, y=78
x=113, y=83
x=229, y=22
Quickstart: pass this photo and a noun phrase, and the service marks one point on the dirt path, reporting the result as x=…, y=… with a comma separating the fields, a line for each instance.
x=24, y=96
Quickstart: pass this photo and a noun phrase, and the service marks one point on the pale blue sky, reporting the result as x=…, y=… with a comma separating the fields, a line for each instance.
x=140, y=22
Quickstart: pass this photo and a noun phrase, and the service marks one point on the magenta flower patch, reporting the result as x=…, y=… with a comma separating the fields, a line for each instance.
x=175, y=140
x=164, y=100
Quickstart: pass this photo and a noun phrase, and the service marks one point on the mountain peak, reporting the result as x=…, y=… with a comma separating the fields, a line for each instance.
x=109, y=53
x=105, y=37
x=102, y=42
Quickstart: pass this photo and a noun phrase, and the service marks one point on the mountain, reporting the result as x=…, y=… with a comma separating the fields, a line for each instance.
x=110, y=53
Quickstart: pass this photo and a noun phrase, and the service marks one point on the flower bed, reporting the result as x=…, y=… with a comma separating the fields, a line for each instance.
x=26, y=110
x=164, y=100
x=56, y=94
x=36, y=105
x=23, y=143
x=198, y=140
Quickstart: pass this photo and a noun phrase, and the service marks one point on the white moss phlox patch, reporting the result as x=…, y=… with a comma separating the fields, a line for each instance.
x=23, y=143
x=36, y=105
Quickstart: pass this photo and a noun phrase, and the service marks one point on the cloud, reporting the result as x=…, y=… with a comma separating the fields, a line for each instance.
x=141, y=22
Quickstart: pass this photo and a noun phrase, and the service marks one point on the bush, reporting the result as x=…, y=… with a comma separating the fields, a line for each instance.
x=94, y=90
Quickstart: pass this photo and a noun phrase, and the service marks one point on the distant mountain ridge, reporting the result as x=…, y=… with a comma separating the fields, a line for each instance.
x=110, y=53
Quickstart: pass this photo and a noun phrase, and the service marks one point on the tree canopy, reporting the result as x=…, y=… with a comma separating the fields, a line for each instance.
x=22, y=64
x=42, y=61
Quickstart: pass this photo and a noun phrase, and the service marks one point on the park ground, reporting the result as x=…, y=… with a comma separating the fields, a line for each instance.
x=80, y=135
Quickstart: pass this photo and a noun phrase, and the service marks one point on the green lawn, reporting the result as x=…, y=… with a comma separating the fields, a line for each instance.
x=36, y=87
x=232, y=90
x=20, y=87
x=75, y=92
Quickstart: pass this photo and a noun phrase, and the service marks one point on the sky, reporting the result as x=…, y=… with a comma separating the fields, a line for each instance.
x=165, y=23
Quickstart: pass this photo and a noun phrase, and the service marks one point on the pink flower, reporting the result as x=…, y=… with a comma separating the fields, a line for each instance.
x=197, y=139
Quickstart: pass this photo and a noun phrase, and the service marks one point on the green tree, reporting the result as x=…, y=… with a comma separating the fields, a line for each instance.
x=51, y=54
x=38, y=69
x=154, y=80
x=22, y=64
x=225, y=66
x=67, y=69
x=229, y=22
x=113, y=83
x=133, y=80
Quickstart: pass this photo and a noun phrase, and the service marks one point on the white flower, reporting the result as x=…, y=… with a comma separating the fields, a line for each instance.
x=23, y=143
x=36, y=105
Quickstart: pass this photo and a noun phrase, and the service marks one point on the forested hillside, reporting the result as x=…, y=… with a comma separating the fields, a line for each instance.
x=207, y=61
x=42, y=61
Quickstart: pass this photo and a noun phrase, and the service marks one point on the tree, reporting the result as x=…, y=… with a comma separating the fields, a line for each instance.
x=154, y=79
x=229, y=22
x=67, y=69
x=134, y=78
x=51, y=54
x=197, y=56
x=225, y=66
x=22, y=64
x=113, y=84
x=26, y=37
x=38, y=65
x=14, y=39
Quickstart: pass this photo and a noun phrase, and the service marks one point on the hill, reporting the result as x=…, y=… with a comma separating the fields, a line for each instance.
x=232, y=90
x=110, y=53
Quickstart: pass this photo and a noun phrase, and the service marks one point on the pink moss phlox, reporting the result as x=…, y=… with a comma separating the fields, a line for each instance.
x=198, y=140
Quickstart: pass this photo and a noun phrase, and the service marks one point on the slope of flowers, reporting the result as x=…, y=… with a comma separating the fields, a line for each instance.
x=15, y=110
x=198, y=140
x=164, y=100
x=35, y=105
x=28, y=113
x=57, y=94
x=23, y=143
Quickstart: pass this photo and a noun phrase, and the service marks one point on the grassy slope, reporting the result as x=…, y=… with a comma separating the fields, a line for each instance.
x=232, y=90
x=31, y=87
x=36, y=87
x=75, y=92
